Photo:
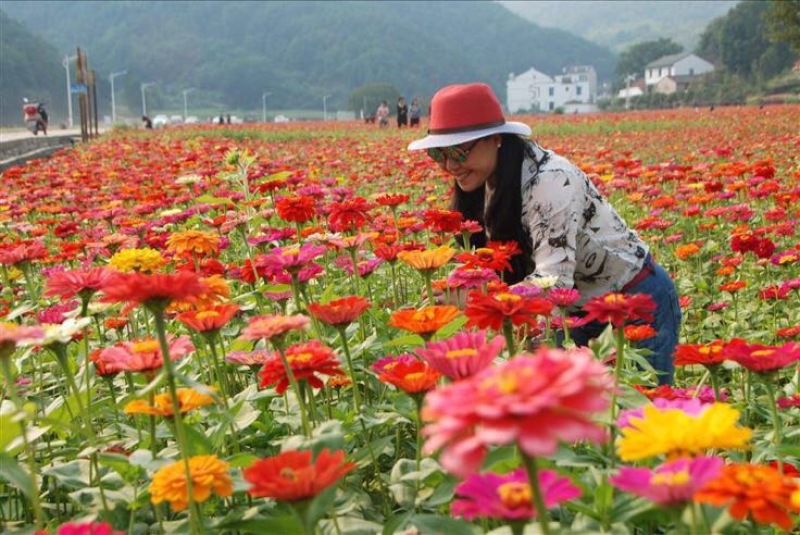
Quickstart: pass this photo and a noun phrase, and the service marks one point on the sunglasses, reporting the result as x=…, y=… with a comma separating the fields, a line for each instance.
x=456, y=153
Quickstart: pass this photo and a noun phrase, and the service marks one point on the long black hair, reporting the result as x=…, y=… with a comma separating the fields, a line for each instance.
x=502, y=219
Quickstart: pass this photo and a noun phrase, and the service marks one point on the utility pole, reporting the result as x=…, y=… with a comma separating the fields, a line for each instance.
x=65, y=63
x=144, y=98
x=628, y=79
x=264, y=96
x=186, y=92
x=113, y=101
x=325, y=107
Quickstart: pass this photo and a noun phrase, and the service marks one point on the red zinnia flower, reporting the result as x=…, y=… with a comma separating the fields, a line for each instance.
x=616, y=308
x=759, y=358
x=296, y=209
x=305, y=360
x=141, y=355
x=83, y=282
x=410, y=375
x=349, y=215
x=490, y=311
x=340, y=312
x=153, y=290
x=292, y=476
x=703, y=354
x=443, y=220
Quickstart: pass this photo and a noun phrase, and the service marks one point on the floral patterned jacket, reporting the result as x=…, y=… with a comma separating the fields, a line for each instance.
x=576, y=235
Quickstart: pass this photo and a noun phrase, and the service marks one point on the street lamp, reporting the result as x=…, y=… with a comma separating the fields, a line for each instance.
x=65, y=63
x=186, y=92
x=264, y=96
x=325, y=107
x=113, y=101
x=144, y=99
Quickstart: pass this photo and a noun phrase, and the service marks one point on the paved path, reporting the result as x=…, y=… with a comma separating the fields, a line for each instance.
x=22, y=133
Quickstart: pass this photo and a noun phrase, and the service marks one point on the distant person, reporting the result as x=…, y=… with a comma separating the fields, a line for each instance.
x=402, y=113
x=148, y=123
x=414, y=113
x=228, y=119
x=45, y=117
x=221, y=119
x=382, y=114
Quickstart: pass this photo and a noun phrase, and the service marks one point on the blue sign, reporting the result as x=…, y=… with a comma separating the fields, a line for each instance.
x=78, y=88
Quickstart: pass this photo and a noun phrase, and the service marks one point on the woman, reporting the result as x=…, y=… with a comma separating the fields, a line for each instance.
x=519, y=191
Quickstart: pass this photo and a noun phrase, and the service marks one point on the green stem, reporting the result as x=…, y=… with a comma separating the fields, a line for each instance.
x=508, y=332
x=296, y=389
x=538, y=500
x=356, y=393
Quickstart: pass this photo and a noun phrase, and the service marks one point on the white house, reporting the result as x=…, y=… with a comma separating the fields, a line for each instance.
x=535, y=90
x=684, y=64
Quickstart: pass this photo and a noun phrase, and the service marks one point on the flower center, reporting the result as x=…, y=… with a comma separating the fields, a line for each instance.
x=670, y=479
x=506, y=383
x=614, y=299
x=762, y=353
x=507, y=297
x=415, y=376
x=207, y=314
x=515, y=494
x=461, y=353
x=145, y=346
x=424, y=315
x=300, y=358
x=288, y=473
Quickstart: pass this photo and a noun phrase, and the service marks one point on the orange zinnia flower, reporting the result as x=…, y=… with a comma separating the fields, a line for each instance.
x=703, y=354
x=208, y=319
x=189, y=243
x=424, y=321
x=340, y=312
x=306, y=360
x=153, y=291
x=292, y=475
x=638, y=333
x=188, y=400
x=760, y=492
x=685, y=251
x=209, y=474
x=428, y=260
x=410, y=375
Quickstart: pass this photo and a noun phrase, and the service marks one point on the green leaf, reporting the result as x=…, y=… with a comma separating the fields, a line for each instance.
x=210, y=199
x=409, y=340
x=199, y=444
x=73, y=475
x=433, y=524
x=451, y=328
x=13, y=473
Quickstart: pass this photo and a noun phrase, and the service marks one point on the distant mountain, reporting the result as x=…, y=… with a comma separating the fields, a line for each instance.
x=29, y=68
x=620, y=23
x=231, y=52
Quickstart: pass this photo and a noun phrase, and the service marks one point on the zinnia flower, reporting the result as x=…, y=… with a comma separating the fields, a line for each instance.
x=617, y=308
x=761, y=493
x=12, y=335
x=128, y=260
x=82, y=282
x=429, y=260
x=155, y=291
x=292, y=476
x=209, y=319
x=305, y=360
x=209, y=474
x=759, y=358
x=410, y=375
x=143, y=355
x=462, y=355
x=298, y=209
x=424, y=321
x=191, y=243
x=269, y=326
x=708, y=355
x=673, y=432
x=188, y=400
x=536, y=401
x=672, y=483
x=491, y=311
x=339, y=312
x=509, y=496
x=87, y=528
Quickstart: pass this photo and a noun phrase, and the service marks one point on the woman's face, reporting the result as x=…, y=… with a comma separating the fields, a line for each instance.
x=479, y=165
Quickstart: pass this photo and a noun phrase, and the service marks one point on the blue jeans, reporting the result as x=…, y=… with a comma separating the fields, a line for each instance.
x=667, y=322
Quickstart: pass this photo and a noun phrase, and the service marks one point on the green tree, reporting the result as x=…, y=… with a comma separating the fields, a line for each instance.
x=783, y=18
x=635, y=57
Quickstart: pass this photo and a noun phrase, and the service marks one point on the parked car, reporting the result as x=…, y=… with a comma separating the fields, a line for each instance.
x=160, y=121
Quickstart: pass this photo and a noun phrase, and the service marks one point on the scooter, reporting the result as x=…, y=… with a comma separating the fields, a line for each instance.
x=34, y=119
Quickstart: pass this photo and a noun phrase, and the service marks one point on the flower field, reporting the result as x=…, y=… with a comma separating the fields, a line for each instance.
x=234, y=330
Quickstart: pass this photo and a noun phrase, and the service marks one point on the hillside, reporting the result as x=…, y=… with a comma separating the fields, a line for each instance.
x=232, y=52
x=29, y=68
x=621, y=23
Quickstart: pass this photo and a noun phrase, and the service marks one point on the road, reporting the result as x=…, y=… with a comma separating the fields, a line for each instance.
x=11, y=134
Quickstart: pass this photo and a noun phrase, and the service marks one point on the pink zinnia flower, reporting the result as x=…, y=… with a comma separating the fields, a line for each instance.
x=462, y=355
x=672, y=483
x=564, y=297
x=271, y=326
x=535, y=401
x=691, y=406
x=618, y=308
x=509, y=496
x=143, y=355
x=471, y=277
x=290, y=259
x=91, y=528
x=12, y=335
x=81, y=282
x=788, y=402
x=759, y=358
x=248, y=358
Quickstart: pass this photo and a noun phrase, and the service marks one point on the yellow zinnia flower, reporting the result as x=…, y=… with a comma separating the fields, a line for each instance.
x=208, y=474
x=188, y=399
x=193, y=242
x=673, y=433
x=146, y=260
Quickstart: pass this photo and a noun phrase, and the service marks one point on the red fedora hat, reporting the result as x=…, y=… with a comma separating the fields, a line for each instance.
x=461, y=113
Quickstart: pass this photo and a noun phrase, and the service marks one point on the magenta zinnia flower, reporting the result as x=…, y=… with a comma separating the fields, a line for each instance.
x=290, y=259
x=535, y=401
x=462, y=355
x=692, y=406
x=91, y=528
x=672, y=483
x=509, y=496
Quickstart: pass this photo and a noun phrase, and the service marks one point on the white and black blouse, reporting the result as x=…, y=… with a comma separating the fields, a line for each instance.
x=576, y=235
